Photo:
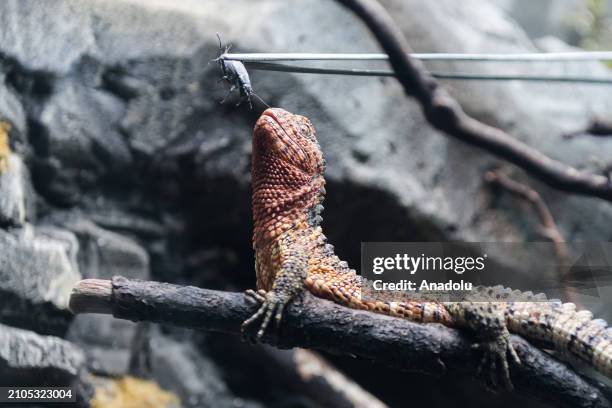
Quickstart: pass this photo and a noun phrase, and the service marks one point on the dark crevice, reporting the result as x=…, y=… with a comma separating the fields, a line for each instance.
x=348, y=220
x=35, y=84
x=43, y=317
x=120, y=83
x=38, y=137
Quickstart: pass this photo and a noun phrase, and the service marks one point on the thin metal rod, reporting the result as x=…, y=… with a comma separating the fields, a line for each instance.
x=264, y=66
x=517, y=57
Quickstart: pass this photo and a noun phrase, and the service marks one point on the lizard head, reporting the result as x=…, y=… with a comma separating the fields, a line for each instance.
x=287, y=174
x=291, y=138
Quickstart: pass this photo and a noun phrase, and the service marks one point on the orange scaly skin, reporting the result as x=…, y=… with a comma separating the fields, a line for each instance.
x=288, y=188
x=292, y=254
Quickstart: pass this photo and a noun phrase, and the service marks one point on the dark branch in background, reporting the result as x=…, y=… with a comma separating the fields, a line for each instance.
x=299, y=371
x=549, y=227
x=430, y=349
x=445, y=114
x=597, y=127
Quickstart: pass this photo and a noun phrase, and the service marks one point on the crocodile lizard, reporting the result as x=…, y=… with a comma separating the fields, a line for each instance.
x=292, y=255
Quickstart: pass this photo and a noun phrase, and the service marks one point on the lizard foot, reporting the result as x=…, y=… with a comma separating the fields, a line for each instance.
x=495, y=353
x=272, y=305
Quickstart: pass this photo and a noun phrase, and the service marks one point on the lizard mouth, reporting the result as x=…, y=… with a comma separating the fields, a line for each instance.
x=276, y=120
x=269, y=122
x=272, y=118
x=270, y=113
x=277, y=128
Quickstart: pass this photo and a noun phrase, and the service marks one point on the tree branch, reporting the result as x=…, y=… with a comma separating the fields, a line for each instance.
x=429, y=349
x=445, y=114
x=549, y=227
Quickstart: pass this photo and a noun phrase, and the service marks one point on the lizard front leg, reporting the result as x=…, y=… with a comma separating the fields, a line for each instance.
x=487, y=320
x=289, y=279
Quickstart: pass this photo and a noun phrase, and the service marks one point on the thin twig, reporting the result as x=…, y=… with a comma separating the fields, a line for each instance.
x=445, y=114
x=463, y=76
x=430, y=349
x=307, y=373
x=441, y=56
x=549, y=227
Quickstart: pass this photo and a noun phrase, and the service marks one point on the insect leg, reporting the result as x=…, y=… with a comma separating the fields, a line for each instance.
x=232, y=89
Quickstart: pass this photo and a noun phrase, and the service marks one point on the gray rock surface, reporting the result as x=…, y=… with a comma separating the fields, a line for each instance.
x=39, y=264
x=103, y=253
x=37, y=271
x=13, y=192
x=139, y=171
x=31, y=360
x=107, y=342
x=178, y=365
x=28, y=358
x=569, y=20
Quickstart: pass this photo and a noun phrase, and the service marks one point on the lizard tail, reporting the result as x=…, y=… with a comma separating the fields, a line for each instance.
x=344, y=287
x=548, y=323
x=574, y=334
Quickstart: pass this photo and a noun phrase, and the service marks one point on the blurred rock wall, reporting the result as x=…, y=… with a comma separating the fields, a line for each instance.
x=120, y=159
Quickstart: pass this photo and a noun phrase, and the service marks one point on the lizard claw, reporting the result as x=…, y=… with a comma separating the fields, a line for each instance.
x=259, y=295
x=495, y=354
x=272, y=305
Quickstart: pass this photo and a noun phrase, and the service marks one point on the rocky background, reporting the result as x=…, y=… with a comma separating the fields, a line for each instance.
x=116, y=157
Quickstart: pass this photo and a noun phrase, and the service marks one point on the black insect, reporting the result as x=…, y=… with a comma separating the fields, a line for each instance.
x=235, y=74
